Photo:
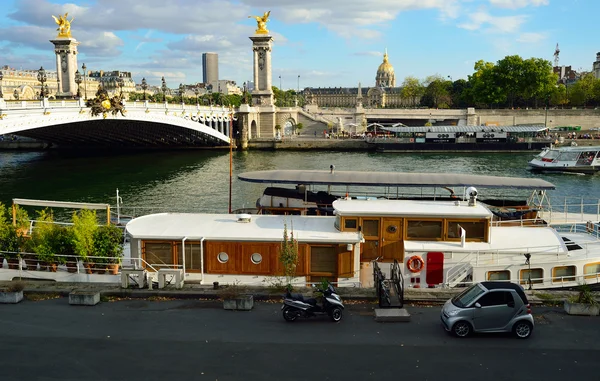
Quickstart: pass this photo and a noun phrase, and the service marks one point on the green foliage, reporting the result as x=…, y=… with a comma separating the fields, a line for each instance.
x=428, y=124
x=85, y=225
x=585, y=296
x=412, y=90
x=437, y=92
x=11, y=237
x=278, y=127
x=285, y=98
x=299, y=126
x=288, y=255
x=108, y=244
x=49, y=239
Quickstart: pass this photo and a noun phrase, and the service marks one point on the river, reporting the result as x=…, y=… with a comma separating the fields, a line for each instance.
x=198, y=180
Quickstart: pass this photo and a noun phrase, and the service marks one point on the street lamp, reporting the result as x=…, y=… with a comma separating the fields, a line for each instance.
x=144, y=86
x=78, y=82
x=83, y=68
x=163, y=87
x=1, y=78
x=197, y=91
x=181, y=91
x=41, y=77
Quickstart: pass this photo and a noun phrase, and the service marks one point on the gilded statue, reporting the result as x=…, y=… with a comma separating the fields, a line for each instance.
x=262, y=23
x=64, y=25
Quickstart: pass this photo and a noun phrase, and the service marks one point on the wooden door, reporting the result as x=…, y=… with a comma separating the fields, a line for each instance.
x=392, y=246
x=370, y=231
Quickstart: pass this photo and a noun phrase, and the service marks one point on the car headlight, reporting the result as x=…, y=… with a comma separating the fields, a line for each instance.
x=452, y=313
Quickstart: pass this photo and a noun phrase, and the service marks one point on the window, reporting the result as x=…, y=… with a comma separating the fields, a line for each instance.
x=222, y=257
x=323, y=259
x=371, y=228
x=475, y=230
x=192, y=256
x=350, y=224
x=563, y=274
x=498, y=275
x=417, y=229
x=591, y=270
x=496, y=298
x=159, y=254
x=467, y=296
x=535, y=275
x=256, y=258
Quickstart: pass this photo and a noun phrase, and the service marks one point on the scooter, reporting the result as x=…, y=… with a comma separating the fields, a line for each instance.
x=296, y=305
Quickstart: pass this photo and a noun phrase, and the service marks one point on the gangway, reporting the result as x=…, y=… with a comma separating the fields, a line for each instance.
x=390, y=292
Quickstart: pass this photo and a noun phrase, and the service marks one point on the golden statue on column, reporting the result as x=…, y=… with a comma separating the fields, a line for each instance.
x=262, y=23
x=64, y=25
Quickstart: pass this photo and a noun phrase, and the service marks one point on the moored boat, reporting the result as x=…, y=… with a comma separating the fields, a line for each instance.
x=567, y=159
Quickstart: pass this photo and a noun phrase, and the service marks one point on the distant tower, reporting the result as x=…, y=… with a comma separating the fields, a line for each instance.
x=385, y=73
x=359, y=97
x=210, y=68
x=556, y=53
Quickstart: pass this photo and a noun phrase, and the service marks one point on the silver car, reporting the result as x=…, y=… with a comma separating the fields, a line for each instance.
x=489, y=307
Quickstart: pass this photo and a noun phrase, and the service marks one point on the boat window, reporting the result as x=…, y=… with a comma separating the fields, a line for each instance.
x=591, y=270
x=350, y=224
x=192, y=256
x=551, y=154
x=468, y=296
x=417, y=229
x=475, y=230
x=563, y=274
x=498, y=275
x=568, y=156
x=533, y=275
x=371, y=228
x=158, y=254
x=336, y=224
x=256, y=258
x=223, y=257
x=586, y=158
x=323, y=259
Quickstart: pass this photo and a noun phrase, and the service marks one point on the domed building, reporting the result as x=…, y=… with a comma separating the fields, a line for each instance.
x=385, y=73
x=384, y=94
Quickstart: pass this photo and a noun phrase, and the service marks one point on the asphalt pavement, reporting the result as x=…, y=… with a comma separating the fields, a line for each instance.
x=137, y=339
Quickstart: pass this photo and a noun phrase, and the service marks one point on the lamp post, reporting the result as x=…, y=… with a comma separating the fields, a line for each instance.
x=298, y=90
x=41, y=77
x=1, y=78
x=197, y=92
x=230, y=152
x=144, y=86
x=181, y=92
x=84, y=68
x=163, y=87
x=78, y=82
x=280, y=83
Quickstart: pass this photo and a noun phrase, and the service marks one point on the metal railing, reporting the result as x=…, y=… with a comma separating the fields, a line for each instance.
x=26, y=261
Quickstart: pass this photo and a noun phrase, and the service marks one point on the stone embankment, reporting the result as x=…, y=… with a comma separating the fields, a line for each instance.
x=197, y=291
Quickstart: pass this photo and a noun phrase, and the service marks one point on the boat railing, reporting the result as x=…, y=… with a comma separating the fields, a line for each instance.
x=571, y=209
x=565, y=281
x=27, y=261
x=454, y=274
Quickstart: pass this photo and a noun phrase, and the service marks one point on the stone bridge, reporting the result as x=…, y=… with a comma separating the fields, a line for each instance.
x=145, y=124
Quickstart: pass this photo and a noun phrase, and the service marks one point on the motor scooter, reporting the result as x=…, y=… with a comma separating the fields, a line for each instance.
x=296, y=305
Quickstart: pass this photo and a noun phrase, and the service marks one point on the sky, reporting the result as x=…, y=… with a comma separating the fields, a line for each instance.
x=327, y=43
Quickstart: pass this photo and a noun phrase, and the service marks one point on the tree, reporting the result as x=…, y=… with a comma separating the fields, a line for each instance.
x=85, y=225
x=583, y=90
x=288, y=256
x=412, y=90
x=437, y=92
x=559, y=96
x=299, y=127
x=484, y=87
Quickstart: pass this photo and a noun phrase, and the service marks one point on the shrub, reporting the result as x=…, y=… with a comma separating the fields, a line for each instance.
x=108, y=244
x=85, y=225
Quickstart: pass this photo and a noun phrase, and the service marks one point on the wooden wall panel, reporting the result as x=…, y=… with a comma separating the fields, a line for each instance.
x=211, y=263
x=268, y=252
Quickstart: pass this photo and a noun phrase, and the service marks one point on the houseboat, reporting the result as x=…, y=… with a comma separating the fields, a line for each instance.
x=437, y=243
x=460, y=138
x=567, y=159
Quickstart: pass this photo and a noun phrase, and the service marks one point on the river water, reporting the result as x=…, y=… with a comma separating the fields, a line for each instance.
x=199, y=180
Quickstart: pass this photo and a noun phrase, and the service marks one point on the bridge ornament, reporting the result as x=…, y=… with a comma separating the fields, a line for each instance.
x=64, y=25
x=103, y=104
x=261, y=22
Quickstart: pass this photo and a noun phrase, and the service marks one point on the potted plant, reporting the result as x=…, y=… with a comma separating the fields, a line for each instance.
x=234, y=298
x=13, y=293
x=108, y=248
x=288, y=256
x=584, y=303
x=85, y=225
x=12, y=236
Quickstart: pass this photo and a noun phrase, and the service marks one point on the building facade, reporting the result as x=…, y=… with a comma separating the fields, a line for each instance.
x=111, y=80
x=596, y=66
x=384, y=94
x=210, y=68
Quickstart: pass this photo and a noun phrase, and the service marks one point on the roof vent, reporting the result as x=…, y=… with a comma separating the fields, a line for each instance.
x=244, y=217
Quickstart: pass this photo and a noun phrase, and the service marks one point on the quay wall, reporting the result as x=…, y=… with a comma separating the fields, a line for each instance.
x=586, y=118
x=311, y=144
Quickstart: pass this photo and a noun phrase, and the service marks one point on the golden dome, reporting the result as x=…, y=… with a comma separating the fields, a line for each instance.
x=385, y=67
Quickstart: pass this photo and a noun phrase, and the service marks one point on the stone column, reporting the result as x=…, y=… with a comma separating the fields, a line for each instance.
x=262, y=94
x=66, y=66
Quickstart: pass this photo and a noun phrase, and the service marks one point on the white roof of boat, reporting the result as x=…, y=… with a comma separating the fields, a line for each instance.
x=577, y=148
x=513, y=240
x=395, y=179
x=225, y=227
x=466, y=128
x=410, y=208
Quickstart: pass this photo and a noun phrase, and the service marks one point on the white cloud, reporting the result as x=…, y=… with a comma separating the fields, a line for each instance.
x=369, y=53
x=516, y=4
x=531, y=38
x=493, y=24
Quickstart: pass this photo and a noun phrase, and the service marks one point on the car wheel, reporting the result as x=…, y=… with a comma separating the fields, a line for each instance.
x=523, y=329
x=336, y=314
x=289, y=314
x=461, y=329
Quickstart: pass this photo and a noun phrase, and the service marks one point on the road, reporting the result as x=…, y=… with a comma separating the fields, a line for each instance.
x=197, y=340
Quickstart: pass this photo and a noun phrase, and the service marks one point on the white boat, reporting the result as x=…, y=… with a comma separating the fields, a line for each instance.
x=567, y=159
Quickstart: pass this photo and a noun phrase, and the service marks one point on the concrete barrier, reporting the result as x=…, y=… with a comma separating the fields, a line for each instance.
x=84, y=298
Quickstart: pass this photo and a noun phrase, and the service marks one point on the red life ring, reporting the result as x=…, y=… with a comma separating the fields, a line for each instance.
x=412, y=140
x=415, y=264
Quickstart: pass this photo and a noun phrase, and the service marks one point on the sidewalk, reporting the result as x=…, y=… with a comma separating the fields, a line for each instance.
x=197, y=291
